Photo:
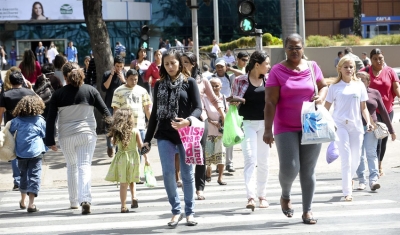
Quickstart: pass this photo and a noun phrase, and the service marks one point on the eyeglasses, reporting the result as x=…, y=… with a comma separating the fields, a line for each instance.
x=245, y=60
x=294, y=48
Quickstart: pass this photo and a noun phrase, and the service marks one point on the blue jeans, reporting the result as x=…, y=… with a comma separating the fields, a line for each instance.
x=31, y=171
x=40, y=59
x=109, y=144
x=13, y=62
x=369, y=148
x=16, y=172
x=167, y=152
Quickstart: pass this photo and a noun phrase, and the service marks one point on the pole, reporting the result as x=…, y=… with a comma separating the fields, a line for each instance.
x=216, y=21
x=259, y=46
x=150, y=54
x=195, y=30
x=302, y=25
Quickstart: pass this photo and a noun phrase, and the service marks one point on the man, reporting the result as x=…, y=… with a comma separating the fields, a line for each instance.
x=365, y=59
x=40, y=53
x=160, y=43
x=339, y=56
x=206, y=71
x=119, y=50
x=226, y=90
x=13, y=57
x=229, y=58
x=71, y=53
x=349, y=52
x=190, y=44
x=51, y=54
x=167, y=44
x=112, y=79
x=241, y=62
x=214, y=53
x=8, y=101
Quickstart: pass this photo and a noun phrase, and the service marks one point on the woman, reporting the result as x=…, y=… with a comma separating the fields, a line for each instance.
x=86, y=63
x=153, y=72
x=370, y=142
x=73, y=104
x=350, y=97
x=176, y=98
x=38, y=12
x=59, y=62
x=289, y=84
x=30, y=68
x=385, y=80
x=6, y=85
x=256, y=153
x=189, y=61
x=141, y=65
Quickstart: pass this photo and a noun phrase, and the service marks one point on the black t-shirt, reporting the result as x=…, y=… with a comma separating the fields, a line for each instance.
x=253, y=109
x=115, y=83
x=10, y=98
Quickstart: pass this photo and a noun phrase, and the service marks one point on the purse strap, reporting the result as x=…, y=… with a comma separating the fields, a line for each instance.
x=310, y=65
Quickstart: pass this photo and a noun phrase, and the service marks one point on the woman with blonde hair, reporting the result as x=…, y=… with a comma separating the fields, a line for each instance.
x=349, y=96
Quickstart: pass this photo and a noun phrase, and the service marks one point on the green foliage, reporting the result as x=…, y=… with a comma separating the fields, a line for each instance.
x=386, y=40
x=319, y=41
x=338, y=37
x=351, y=40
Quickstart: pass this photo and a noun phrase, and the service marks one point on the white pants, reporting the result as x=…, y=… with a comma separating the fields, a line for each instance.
x=78, y=152
x=256, y=153
x=349, y=144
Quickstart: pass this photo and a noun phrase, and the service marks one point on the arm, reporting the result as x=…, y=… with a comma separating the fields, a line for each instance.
x=76, y=55
x=153, y=119
x=322, y=91
x=107, y=78
x=50, y=123
x=396, y=88
x=365, y=114
x=140, y=145
x=218, y=104
x=385, y=116
x=99, y=104
x=327, y=105
x=237, y=72
x=2, y=111
x=271, y=99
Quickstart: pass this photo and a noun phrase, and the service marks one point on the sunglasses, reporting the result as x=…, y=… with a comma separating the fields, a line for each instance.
x=244, y=60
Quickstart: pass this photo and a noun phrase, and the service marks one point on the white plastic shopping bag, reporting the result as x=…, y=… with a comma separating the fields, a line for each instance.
x=317, y=124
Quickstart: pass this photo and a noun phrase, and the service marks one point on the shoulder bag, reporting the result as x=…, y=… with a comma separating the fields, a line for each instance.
x=381, y=131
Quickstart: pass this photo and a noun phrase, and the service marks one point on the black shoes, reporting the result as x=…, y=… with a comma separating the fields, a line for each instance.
x=230, y=169
x=15, y=188
x=85, y=208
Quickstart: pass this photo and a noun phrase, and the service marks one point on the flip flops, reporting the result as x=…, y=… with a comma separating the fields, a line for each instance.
x=34, y=209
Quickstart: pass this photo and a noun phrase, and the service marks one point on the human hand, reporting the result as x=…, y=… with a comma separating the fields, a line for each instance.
x=112, y=71
x=370, y=127
x=145, y=149
x=268, y=137
x=393, y=136
x=233, y=99
x=146, y=162
x=54, y=148
x=317, y=99
x=179, y=123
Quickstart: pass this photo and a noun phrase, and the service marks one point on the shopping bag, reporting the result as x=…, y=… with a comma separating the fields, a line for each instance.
x=317, y=124
x=332, y=152
x=7, y=144
x=191, y=137
x=233, y=133
x=149, y=176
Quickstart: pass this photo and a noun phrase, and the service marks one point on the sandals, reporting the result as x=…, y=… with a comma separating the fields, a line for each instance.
x=134, y=203
x=208, y=179
x=310, y=220
x=200, y=195
x=251, y=204
x=34, y=209
x=262, y=203
x=173, y=224
x=221, y=183
x=287, y=212
x=124, y=210
x=348, y=198
x=20, y=205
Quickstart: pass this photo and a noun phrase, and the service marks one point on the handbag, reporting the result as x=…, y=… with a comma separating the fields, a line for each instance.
x=7, y=144
x=381, y=131
x=317, y=124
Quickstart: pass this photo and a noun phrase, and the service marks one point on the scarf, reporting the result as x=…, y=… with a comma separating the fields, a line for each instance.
x=168, y=105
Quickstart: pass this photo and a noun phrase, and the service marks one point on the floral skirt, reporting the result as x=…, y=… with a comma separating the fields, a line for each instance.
x=215, y=150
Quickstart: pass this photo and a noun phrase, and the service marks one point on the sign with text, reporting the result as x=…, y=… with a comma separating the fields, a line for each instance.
x=190, y=137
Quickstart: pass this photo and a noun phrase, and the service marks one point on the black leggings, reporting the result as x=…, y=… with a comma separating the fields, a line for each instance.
x=200, y=171
x=381, y=149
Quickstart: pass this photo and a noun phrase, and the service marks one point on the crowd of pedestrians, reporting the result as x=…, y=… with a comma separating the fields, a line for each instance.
x=154, y=99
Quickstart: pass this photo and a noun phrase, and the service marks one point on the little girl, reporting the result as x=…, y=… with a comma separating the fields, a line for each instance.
x=29, y=146
x=125, y=166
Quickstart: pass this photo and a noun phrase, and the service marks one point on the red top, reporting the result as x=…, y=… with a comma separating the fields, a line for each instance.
x=34, y=75
x=384, y=84
x=153, y=71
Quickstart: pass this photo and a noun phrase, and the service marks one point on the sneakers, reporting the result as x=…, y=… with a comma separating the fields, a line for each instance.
x=85, y=208
x=361, y=186
x=110, y=152
x=375, y=186
x=15, y=188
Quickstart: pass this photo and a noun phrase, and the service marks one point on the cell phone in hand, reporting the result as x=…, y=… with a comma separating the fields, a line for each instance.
x=144, y=150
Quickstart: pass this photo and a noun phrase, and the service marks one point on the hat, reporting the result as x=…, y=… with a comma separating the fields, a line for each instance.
x=220, y=61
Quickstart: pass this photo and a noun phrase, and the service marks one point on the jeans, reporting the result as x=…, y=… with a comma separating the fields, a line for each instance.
x=256, y=153
x=167, y=152
x=40, y=59
x=109, y=143
x=369, y=148
x=381, y=149
x=13, y=62
x=31, y=171
x=16, y=172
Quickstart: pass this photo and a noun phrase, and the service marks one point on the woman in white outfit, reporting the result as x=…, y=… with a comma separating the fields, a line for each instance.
x=349, y=96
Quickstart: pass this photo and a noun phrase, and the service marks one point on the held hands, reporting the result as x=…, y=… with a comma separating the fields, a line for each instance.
x=268, y=137
x=145, y=149
x=179, y=123
x=54, y=148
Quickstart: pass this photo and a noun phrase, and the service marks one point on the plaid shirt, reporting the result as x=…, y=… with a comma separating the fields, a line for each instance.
x=241, y=84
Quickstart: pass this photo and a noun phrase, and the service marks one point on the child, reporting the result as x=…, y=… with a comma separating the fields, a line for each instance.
x=29, y=146
x=215, y=150
x=125, y=166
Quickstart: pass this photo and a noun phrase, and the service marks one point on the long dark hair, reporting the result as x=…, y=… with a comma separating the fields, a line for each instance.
x=375, y=51
x=28, y=66
x=195, y=73
x=182, y=69
x=34, y=16
x=257, y=57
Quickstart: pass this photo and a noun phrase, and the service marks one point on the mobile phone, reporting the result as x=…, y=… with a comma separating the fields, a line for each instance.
x=144, y=150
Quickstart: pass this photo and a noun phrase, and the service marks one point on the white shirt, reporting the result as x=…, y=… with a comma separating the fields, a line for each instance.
x=215, y=49
x=347, y=98
x=229, y=59
x=51, y=54
x=226, y=88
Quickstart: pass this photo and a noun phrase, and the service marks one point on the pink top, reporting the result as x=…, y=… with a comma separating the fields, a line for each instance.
x=34, y=75
x=153, y=71
x=213, y=114
x=295, y=88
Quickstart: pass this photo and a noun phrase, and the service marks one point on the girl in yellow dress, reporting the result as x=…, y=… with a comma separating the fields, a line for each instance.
x=125, y=166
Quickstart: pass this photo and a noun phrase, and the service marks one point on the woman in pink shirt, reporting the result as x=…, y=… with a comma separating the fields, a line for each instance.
x=289, y=84
x=30, y=68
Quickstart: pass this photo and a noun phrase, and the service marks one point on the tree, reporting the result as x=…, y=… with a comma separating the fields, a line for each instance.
x=288, y=18
x=357, y=17
x=100, y=43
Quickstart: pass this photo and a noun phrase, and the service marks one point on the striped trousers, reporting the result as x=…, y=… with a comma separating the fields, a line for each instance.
x=78, y=152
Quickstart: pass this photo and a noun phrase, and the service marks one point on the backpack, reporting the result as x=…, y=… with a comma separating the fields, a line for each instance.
x=43, y=88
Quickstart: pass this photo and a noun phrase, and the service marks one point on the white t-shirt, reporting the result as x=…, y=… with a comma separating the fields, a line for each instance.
x=51, y=54
x=226, y=88
x=229, y=59
x=347, y=98
x=215, y=49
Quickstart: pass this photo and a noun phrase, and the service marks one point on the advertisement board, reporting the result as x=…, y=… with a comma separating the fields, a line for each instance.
x=28, y=10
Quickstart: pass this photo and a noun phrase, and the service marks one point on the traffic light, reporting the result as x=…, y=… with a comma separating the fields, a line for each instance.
x=144, y=37
x=246, y=10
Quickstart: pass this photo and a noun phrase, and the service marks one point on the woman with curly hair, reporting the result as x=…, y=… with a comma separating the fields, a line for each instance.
x=74, y=105
x=30, y=68
x=125, y=166
x=29, y=147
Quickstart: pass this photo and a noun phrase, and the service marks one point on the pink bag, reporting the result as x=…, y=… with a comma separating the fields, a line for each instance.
x=190, y=137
